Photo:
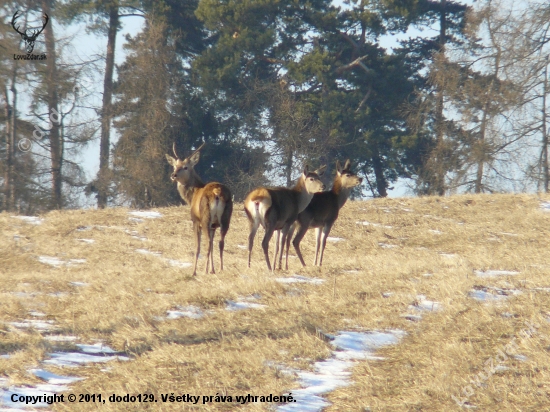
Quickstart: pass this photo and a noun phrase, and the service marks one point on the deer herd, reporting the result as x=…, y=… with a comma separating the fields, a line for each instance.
x=279, y=210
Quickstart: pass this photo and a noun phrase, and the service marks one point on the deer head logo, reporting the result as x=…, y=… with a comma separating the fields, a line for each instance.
x=29, y=39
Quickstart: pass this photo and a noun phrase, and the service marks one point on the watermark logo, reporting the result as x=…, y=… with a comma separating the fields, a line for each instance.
x=24, y=144
x=29, y=38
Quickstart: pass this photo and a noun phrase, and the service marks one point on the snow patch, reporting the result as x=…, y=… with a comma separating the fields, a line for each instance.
x=32, y=220
x=56, y=262
x=300, y=279
x=333, y=373
x=244, y=303
x=54, y=379
x=190, y=311
x=39, y=325
x=74, y=359
x=365, y=223
x=147, y=214
x=495, y=273
x=489, y=293
x=89, y=241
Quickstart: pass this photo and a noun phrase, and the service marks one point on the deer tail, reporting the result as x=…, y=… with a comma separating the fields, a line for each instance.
x=256, y=204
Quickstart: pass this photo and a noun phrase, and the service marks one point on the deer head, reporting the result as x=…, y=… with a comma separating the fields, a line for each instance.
x=347, y=177
x=29, y=39
x=183, y=169
x=312, y=182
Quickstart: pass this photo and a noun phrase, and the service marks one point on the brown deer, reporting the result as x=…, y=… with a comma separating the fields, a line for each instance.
x=322, y=212
x=211, y=204
x=276, y=209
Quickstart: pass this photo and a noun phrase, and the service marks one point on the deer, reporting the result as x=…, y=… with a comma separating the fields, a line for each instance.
x=211, y=204
x=322, y=212
x=29, y=40
x=276, y=209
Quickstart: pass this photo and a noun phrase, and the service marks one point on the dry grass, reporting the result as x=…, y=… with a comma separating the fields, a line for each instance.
x=128, y=294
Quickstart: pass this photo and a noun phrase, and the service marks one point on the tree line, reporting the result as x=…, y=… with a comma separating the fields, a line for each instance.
x=459, y=105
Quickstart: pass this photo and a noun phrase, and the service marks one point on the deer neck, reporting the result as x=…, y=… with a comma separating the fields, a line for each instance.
x=342, y=193
x=304, y=197
x=187, y=190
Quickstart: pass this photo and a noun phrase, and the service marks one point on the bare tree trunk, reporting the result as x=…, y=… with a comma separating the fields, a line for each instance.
x=486, y=107
x=106, y=114
x=289, y=168
x=9, y=190
x=381, y=182
x=439, y=172
x=544, y=131
x=13, y=131
x=53, y=112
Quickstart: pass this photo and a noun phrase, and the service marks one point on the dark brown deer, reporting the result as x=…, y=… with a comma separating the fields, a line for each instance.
x=29, y=39
x=276, y=209
x=211, y=204
x=322, y=212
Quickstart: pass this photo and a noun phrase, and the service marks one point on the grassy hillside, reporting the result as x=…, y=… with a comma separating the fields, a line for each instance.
x=414, y=265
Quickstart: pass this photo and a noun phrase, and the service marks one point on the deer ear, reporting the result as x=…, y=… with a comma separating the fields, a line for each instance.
x=347, y=165
x=338, y=168
x=194, y=159
x=306, y=170
x=170, y=159
x=321, y=170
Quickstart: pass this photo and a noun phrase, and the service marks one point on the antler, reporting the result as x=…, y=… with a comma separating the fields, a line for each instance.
x=200, y=147
x=174, y=149
x=15, y=16
x=44, y=24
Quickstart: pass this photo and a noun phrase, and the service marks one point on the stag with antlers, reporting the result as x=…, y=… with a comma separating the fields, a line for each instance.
x=29, y=39
x=211, y=204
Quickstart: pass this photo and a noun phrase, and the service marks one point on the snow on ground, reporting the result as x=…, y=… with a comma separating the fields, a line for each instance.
x=79, y=284
x=495, y=273
x=54, y=379
x=243, y=303
x=56, y=262
x=33, y=220
x=334, y=372
x=387, y=245
x=147, y=214
x=83, y=355
x=74, y=359
x=365, y=223
x=300, y=279
x=171, y=262
x=39, y=325
x=193, y=312
x=490, y=293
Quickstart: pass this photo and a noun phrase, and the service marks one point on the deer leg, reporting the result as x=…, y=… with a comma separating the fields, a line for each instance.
x=326, y=231
x=276, y=249
x=224, y=227
x=284, y=231
x=223, y=232
x=296, y=243
x=288, y=238
x=211, y=248
x=317, y=243
x=269, y=229
x=197, y=230
x=253, y=229
x=206, y=231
